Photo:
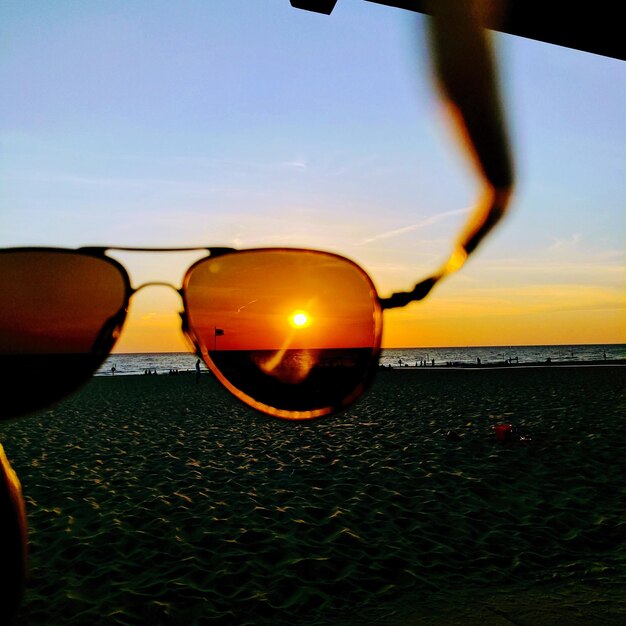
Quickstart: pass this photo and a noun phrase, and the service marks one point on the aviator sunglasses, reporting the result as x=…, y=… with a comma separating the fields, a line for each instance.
x=294, y=333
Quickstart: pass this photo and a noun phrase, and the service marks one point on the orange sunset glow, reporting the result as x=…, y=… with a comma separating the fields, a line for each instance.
x=281, y=299
x=330, y=143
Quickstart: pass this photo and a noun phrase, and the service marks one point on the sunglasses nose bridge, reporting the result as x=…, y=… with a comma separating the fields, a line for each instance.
x=157, y=284
x=179, y=291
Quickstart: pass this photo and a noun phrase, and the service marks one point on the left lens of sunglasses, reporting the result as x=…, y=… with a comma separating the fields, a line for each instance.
x=293, y=333
x=60, y=316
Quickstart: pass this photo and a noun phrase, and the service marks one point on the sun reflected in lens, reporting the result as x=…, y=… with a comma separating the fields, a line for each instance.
x=300, y=319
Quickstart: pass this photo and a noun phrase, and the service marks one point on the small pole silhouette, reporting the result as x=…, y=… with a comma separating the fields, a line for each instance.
x=217, y=332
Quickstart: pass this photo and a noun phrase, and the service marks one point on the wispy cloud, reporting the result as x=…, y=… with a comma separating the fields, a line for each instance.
x=298, y=164
x=429, y=221
x=566, y=243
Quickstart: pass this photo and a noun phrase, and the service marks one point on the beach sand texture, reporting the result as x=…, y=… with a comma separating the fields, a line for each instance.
x=156, y=500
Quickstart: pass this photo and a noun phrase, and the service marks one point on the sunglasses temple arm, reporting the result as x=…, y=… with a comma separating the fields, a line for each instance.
x=466, y=76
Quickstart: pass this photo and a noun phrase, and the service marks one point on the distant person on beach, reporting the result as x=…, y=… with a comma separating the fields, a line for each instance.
x=113, y=370
x=198, y=371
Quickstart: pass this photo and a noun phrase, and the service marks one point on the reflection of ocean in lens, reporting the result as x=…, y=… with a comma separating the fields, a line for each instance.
x=304, y=380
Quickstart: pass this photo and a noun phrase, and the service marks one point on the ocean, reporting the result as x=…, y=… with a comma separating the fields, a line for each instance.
x=163, y=362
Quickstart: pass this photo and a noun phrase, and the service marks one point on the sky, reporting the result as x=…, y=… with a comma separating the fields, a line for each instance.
x=242, y=123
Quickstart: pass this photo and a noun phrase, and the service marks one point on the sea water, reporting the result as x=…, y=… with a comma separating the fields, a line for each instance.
x=164, y=362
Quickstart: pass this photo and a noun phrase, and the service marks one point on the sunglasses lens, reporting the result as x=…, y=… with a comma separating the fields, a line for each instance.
x=294, y=333
x=60, y=316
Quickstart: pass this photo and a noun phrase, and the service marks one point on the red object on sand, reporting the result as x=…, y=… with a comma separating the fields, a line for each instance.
x=503, y=432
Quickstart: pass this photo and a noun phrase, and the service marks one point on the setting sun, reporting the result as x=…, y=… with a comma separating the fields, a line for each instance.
x=300, y=319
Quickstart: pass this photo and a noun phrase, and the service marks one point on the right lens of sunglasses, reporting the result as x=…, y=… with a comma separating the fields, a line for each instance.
x=293, y=333
x=60, y=316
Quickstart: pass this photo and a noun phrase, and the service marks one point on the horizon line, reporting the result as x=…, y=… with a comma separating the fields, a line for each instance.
x=523, y=345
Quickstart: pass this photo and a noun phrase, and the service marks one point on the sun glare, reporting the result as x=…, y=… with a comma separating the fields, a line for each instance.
x=299, y=319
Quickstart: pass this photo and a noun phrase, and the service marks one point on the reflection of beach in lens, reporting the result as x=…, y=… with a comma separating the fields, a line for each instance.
x=301, y=380
x=38, y=380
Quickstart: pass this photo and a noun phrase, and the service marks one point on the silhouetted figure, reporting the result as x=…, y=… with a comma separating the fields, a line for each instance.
x=198, y=371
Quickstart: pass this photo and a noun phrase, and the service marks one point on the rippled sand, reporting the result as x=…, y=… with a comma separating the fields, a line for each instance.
x=153, y=500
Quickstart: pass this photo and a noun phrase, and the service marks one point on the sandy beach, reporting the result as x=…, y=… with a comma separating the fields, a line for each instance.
x=156, y=500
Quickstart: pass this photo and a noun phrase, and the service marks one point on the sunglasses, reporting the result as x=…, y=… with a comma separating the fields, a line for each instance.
x=294, y=333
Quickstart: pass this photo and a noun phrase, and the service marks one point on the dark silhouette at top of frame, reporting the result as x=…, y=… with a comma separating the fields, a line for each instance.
x=590, y=27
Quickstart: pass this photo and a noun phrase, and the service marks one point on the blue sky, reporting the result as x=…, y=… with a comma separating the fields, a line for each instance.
x=243, y=123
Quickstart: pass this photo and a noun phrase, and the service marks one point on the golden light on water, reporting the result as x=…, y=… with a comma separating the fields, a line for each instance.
x=300, y=319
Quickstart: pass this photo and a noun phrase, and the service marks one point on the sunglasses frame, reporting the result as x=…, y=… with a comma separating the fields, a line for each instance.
x=106, y=341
